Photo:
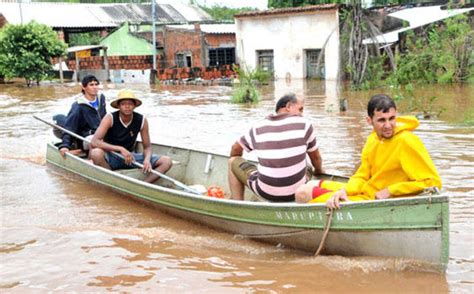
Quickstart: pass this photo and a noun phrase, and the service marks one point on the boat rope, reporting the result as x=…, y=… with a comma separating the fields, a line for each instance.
x=326, y=231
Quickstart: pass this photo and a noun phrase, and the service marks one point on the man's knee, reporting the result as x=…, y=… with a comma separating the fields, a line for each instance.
x=97, y=155
x=165, y=162
x=301, y=194
x=304, y=193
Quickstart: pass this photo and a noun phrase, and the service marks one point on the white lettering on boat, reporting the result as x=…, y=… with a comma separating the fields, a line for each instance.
x=309, y=215
x=349, y=215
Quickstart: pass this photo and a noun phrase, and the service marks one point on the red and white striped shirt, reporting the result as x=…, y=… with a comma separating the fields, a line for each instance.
x=281, y=142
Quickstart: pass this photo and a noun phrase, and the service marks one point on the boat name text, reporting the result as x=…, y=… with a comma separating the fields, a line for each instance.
x=312, y=215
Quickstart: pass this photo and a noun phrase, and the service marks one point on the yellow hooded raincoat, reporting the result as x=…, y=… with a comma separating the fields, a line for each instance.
x=401, y=164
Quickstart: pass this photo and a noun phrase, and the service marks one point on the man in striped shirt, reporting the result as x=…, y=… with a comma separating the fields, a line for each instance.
x=281, y=142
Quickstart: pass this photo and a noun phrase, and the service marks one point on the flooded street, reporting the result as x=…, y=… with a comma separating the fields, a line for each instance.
x=61, y=233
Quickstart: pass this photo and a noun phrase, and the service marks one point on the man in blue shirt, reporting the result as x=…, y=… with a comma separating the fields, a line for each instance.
x=85, y=115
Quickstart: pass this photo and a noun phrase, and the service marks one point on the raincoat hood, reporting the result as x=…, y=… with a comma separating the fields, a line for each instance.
x=406, y=123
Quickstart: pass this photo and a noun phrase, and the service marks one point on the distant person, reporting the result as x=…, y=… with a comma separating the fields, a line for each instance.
x=394, y=162
x=84, y=117
x=281, y=142
x=118, y=132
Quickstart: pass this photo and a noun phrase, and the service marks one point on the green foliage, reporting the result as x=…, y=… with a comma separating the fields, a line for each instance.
x=90, y=38
x=218, y=12
x=261, y=76
x=374, y=73
x=445, y=56
x=245, y=94
x=26, y=51
x=246, y=90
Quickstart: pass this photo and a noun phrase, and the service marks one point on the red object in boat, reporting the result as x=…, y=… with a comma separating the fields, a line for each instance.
x=215, y=191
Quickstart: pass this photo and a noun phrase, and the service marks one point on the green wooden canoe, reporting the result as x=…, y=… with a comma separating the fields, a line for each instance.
x=414, y=228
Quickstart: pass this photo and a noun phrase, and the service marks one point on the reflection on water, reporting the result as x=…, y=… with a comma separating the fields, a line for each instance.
x=60, y=233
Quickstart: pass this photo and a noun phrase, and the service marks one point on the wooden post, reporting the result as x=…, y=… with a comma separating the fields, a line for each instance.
x=106, y=63
x=61, y=76
x=77, y=66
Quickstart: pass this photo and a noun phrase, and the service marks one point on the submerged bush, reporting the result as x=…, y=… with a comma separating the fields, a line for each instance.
x=245, y=94
x=246, y=91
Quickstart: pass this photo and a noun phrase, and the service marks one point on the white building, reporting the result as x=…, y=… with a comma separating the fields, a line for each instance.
x=288, y=41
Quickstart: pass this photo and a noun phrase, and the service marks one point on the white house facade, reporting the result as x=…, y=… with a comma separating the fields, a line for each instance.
x=288, y=41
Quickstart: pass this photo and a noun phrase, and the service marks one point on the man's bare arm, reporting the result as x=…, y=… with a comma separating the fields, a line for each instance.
x=317, y=161
x=236, y=150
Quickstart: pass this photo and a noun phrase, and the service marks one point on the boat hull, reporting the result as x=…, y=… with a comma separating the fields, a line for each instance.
x=415, y=228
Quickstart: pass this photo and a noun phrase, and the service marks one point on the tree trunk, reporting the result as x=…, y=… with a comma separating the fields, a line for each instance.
x=358, y=51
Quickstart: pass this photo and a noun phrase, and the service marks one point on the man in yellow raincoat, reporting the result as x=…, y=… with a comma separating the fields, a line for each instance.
x=394, y=162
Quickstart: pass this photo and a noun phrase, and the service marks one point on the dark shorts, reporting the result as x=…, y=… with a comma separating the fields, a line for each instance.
x=116, y=162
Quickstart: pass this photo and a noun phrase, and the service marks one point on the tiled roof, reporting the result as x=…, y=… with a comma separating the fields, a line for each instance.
x=208, y=28
x=72, y=15
x=292, y=10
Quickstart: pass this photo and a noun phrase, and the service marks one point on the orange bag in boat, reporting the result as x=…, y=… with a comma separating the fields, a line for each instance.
x=215, y=191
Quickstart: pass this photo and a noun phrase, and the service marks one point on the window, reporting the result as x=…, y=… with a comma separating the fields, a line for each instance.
x=265, y=60
x=315, y=67
x=184, y=60
x=180, y=60
x=221, y=56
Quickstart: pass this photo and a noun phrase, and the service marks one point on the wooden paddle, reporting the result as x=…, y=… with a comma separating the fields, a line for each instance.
x=136, y=164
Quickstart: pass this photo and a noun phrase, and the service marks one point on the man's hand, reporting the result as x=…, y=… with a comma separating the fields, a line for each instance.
x=63, y=151
x=127, y=156
x=382, y=194
x=334, y=201
x=146, y=166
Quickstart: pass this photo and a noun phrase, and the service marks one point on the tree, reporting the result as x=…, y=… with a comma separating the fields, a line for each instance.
x=89, y=38
x=361, y=63
x=26, y=51
x=218, y=12
x=440, y=53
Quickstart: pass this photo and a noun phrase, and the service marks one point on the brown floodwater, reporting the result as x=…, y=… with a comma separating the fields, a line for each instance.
x=61, y=233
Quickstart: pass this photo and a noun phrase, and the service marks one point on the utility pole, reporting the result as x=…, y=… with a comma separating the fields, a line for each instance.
x=153, y=30
x=21, y=12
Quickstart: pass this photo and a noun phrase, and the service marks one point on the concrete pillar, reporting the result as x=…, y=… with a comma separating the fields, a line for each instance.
x=77, y=66
x=106, y=63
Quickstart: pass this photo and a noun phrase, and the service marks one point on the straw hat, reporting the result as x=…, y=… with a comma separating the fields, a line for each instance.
x=123, y=95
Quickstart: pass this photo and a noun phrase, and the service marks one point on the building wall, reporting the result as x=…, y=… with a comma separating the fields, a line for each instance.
x=289, y=35
x=115, y=62
x=183, y=41
x=121, y=43
x=220, y=40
